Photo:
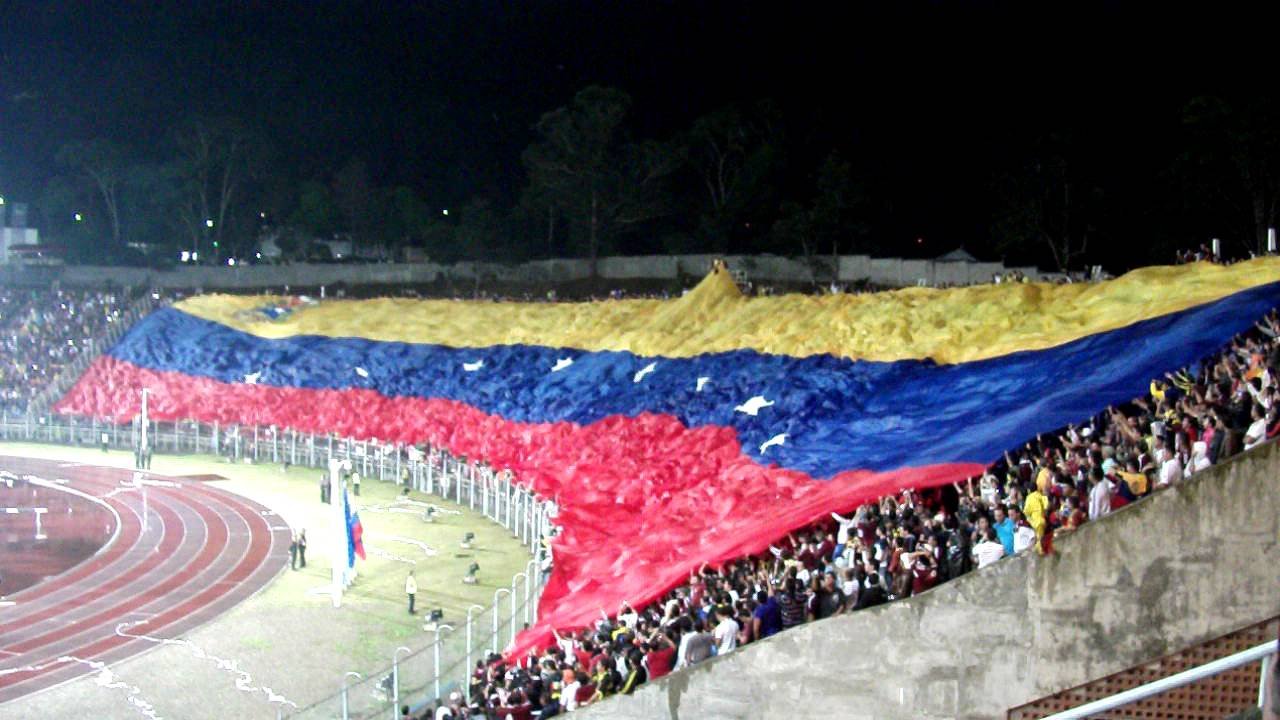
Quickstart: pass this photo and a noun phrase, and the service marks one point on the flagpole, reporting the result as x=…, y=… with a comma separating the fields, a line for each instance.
x=339, y=557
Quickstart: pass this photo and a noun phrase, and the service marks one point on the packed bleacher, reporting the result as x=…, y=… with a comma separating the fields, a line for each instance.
x=907, y=543
x=44, y=331
x=858, y=558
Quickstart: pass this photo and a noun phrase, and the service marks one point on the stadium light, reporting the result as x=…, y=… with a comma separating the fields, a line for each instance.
x=470, y=579
x=78, y=217
x=208, y=223
x=1, y=200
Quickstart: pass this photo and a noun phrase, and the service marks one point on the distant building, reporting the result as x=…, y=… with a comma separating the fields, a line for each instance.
x=957, y=255
x=17, y=241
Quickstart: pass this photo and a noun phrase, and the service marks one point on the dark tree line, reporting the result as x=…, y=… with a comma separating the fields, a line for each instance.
x=737, y=180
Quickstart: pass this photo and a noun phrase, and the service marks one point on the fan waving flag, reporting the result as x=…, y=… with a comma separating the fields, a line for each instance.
x=697, y=429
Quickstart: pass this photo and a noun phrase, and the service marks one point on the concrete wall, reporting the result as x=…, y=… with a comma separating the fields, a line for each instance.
x=1183, y=567
x=759, y=268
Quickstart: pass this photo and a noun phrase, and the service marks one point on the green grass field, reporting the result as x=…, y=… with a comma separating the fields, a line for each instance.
x=268, y=628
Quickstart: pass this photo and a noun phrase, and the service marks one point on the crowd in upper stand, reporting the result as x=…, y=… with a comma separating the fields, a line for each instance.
x=905, y=544
x=44, y=331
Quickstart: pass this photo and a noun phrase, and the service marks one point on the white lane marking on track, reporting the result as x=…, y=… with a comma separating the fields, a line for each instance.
x=104, y=678
x=244, y=681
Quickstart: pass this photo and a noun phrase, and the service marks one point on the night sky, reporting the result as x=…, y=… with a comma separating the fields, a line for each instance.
x=927, y=100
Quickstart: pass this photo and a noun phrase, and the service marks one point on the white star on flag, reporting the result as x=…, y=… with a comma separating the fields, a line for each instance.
x=644, y=371
x=362, y=372
x=252, y=378
x=702, y=381
x=779, y=440
x=754, y=405
x=561, y=364
x=473, y=366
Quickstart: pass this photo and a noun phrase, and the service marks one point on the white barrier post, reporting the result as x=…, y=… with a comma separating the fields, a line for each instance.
x=497, y=597
x=437, y=655
x=466, y=671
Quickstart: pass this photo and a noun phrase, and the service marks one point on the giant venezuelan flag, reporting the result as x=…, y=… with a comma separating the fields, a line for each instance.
x=697, y=429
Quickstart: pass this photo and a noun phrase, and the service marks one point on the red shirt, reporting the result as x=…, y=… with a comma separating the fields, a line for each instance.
x=922, y=578
x=826, y=548
x=523, y=711
x=659, y=662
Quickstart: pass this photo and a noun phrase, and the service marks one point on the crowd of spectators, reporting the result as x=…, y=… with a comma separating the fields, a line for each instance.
x=907, y=543
x=882, y=551
x=43, y=331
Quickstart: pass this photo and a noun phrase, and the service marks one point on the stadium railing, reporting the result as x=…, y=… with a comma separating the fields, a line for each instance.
x=421, y=675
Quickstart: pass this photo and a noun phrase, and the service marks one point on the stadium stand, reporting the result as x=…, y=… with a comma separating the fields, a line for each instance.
x=42, y=332
x=903, y=544
x=909, y=542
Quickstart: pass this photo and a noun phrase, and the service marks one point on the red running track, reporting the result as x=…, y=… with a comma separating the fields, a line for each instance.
x=204, y=551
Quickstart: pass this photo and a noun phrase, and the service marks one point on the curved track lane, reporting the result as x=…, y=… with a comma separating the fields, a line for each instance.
x=203, y=551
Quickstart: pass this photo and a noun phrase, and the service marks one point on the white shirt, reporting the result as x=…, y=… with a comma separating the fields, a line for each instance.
x=1100, y=499
x=987, y=552
x=569, y=696
x=1199, y=459
x=842, y=534
x=410, y=586
x=1258, y=431
x=1023, y=538
x=726, y=635
x=1170, y=470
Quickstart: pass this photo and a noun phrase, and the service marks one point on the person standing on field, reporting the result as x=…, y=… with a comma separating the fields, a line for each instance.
x=410, y=589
